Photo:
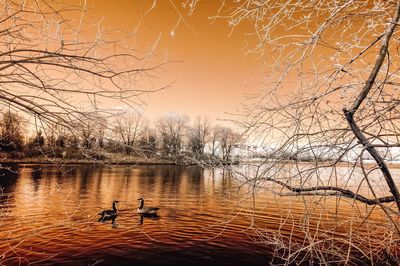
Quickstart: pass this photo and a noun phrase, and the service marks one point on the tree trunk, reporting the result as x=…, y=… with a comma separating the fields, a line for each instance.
x=349, y=114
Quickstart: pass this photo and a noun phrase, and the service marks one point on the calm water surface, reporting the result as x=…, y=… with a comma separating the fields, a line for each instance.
x=49, y=216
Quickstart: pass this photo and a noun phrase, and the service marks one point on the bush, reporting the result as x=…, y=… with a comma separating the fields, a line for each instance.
x=16, y=155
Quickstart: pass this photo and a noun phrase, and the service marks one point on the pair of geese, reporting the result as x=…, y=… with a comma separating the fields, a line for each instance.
x=109, y=214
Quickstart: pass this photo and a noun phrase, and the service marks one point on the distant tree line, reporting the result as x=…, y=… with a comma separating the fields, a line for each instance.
x=128, y=135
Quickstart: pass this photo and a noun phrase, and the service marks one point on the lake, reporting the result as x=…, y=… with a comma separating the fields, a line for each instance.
x=49, y=216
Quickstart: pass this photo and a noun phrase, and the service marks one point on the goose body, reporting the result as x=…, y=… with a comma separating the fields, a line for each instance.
x=146, y=210
x=109, y=214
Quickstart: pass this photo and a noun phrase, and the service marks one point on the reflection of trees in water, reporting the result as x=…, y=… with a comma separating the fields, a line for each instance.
x=149, y=171
x=125, y=179
x=180, y=179
x=196, y=173
x=106, y=183
x=85, y=173
x=9, y=174
x=183, y=180
x=170, y=178
x=196, y=180
x=221, y=181
x=99, y=177
x=36, y=175
x=148, y=177
x=127, y=171
x=63, y=171
x=226, y=181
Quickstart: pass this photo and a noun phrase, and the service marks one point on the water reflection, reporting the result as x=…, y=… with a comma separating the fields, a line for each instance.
x=36, y=176
x=204, y=219
x=113, y=219
x=151, y=216
x=9, y=174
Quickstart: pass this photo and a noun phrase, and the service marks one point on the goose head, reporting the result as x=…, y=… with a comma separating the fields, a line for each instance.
x=114, y=205
x=141, y=202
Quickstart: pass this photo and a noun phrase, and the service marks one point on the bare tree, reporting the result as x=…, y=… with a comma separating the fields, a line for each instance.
x=87, y=130
x=228, y=140
x=101, y=133
x=172, y=128
x=11, y=132
x=148, y=142
x=129, y=127
x=199, y=135
x=332, y=96
x=53, y=70
x=335, y=73
x=38, y=140
x=214, y=136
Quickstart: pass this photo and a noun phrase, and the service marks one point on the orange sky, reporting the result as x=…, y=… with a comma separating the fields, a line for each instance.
x=214, y=75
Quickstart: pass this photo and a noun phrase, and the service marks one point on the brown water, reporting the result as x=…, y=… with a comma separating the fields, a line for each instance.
x=49, y=216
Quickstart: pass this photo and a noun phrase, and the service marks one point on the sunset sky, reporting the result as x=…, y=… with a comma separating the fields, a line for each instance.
x=213, y=74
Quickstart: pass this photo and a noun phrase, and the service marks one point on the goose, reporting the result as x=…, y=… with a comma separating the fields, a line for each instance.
x=146, y=210
x=109, y=214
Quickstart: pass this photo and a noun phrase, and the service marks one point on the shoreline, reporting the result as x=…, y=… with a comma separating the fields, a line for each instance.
x=94, y=162
x=189, y=162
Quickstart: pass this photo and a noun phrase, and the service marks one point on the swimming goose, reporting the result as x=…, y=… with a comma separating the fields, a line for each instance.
x=109, y=214
x=146, y=210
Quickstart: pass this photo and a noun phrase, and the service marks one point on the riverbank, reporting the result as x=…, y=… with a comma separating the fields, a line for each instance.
x=168, y=161
x=152, y=161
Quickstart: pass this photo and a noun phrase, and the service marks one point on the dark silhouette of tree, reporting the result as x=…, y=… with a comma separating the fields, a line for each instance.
x=11, y=132
x=148, y=142
x=38, y=140
x=129, y=127
x=199, y=135
x=172, y=128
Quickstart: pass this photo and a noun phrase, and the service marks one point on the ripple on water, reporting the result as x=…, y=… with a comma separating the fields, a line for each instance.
x=201, y=221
